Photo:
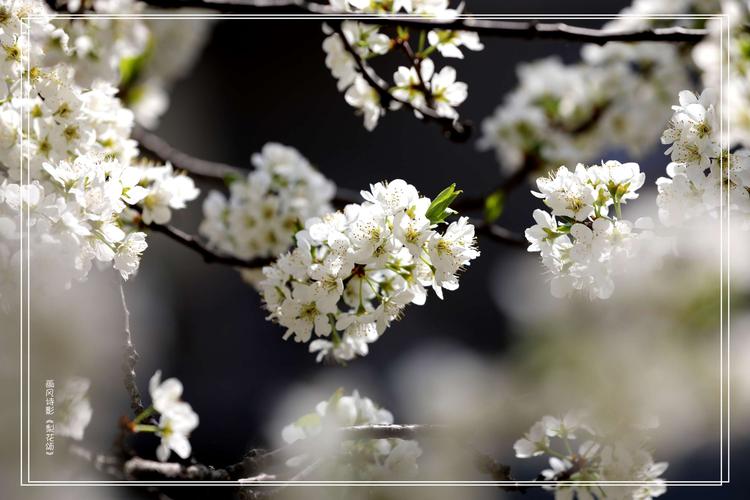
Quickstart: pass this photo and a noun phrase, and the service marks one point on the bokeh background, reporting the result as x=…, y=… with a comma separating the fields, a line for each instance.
x=496, y=343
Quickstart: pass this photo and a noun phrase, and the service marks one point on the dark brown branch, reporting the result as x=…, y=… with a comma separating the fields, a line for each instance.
x=498, y=234
x=251, y=465
x=488, y=27
x=453, y=129
x=531, y=164
x=208, y=255
x=131, y=358
x=162, y=151
x=159, y=149
x=110, y=465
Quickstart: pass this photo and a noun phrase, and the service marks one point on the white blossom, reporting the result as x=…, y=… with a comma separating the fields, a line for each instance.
x=581, y=245
x=444, y=92
x=73, y=412
x=366, y=99
x=595, y=455
x=264, y=211
x=535, y=442
x=722, y=61
x=354, y=271
x=377, y=459
x=175, y=427
x=177, y=418
x=565, y=113
x=448, y=42
x=702, y=176
x=367, y=41
x=167, y=190
x=358, y=92
x=75, y=147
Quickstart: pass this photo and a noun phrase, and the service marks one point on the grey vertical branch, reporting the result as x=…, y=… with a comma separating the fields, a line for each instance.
x=130, y=360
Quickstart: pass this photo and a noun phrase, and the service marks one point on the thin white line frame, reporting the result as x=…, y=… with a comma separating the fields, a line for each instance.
x=25, y=334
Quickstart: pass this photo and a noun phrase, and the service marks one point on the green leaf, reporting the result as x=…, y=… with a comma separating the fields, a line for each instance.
x=439, y=208
x=231, y=178
x=493, y=206
x=132, y=67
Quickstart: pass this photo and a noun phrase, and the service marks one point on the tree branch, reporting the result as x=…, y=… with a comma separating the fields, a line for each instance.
x=250, y=466
x=488, y=27
x=131, y=358
x=160, y=150
x=163, y=151
x=498, y=234
x=508, y=184
x=209, y=256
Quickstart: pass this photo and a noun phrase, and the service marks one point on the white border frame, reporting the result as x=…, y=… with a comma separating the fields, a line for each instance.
x=25, y=479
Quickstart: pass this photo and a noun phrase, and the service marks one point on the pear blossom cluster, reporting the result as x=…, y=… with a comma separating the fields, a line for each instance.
x=97, y=45
x=67, y=160
x=440, y=9
x=564, y=113
x=264, y=211
x=583, y=245
x=714, y=55
x=176, y=418
x=579, y=452
x=642, y=14
x=354, y=271
x=703, y=174
x=73, y=410
x=419, y=84
x=374, y=459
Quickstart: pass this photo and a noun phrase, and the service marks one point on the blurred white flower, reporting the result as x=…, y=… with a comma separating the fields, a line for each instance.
x=581, y=246
x=702, y=176
x=175, y=426
x=376, y=459
x=601, y=457
x=534, y=442
x=177, y=418
x=263, y=212
x=74, y=410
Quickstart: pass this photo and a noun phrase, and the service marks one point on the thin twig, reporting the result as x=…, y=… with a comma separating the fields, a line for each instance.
x=498, y=234
x=104, y=463
x=249, y=466
x=453, y=129
x=131, y=358
x=209, y=256
x=160, y=150
x=508, y=184
x=163, y=151
x=488, y=27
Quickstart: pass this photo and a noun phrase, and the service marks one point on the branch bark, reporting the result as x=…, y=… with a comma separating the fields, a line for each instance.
x=209, y=256
x=250, y=466
x=159, y=149
x=488, y=27
x=131, y=358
